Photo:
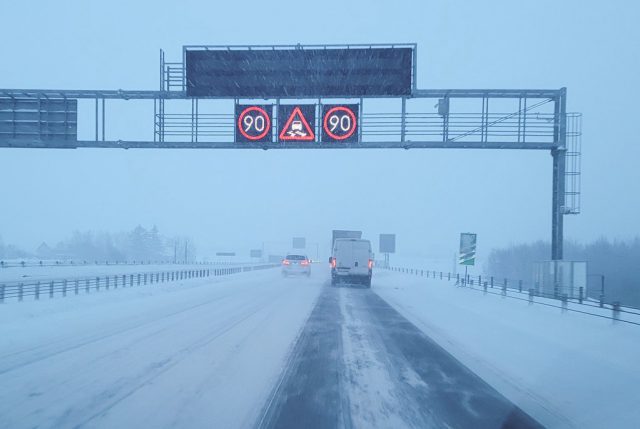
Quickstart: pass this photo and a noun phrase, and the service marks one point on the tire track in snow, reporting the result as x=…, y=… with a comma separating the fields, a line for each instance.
x=94, y=338
x=117, y=394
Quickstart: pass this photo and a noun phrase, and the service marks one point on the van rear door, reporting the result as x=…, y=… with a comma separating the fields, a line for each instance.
x=343, y=253
x=360, y=253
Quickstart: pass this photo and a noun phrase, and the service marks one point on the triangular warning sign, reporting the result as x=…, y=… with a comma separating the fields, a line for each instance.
x=297, y=127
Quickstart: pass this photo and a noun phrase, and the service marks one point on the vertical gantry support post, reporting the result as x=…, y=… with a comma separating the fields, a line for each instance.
x=155, y=119
x=97, y=120
x=559, y=168
x=360, y=109
x=161, y=70
x=103, y=118
x=161, y=119
x=193, y=119
x=403, y=119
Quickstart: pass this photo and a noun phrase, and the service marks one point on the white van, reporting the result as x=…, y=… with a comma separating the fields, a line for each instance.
x=351, y=261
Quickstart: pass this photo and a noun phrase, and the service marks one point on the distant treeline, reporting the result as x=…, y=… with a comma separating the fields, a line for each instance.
x=618, y=261
x=140, y=244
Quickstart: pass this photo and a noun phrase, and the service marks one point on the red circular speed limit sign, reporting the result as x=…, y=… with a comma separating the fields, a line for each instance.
x=339, y=123
x=254, y=123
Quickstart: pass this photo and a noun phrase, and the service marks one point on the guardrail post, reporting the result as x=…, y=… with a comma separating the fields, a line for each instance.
x=51, y=289
x=2, y=293
x=565, y=301
x=581, y=294
x=64, y=288
x=615, y=307
x=531, y=296
x=504, y=287
x=97, y=284
x=37, y=290
x=131, y=280
x=520, y=286
x=86, y=285
x=138, y=282
x=20, y=292
x=491, y=282
x=77, y=286
x=601, y=291
x=115, y=282
x=106, y=280
x=448, y=276
x=484, y=287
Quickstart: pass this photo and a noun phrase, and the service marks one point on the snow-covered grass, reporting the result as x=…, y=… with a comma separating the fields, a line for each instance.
x=563, y=368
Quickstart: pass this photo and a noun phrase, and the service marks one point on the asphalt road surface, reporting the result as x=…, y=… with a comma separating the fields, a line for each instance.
x=358, y=363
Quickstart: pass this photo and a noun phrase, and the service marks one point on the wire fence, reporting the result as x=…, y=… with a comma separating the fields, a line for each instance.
x=518, y=289
x=18, y=290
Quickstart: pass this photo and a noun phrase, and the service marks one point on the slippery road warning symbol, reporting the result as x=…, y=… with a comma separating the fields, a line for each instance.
x=297, y=123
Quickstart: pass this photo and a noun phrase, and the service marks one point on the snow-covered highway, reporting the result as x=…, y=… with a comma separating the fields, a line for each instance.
x=258, y=350
x=202, y=354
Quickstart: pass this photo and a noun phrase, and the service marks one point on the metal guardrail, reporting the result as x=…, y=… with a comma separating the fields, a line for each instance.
x=19, y=290
x=84, y=263
x=518, y=289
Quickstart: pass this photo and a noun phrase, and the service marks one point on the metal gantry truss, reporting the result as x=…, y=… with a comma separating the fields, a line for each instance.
x=534, y=119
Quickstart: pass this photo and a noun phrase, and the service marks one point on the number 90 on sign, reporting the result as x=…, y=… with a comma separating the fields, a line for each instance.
x=253, y=123
x=340, y=123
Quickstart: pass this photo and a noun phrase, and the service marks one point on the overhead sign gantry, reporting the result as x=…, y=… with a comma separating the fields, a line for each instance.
x=312, y=97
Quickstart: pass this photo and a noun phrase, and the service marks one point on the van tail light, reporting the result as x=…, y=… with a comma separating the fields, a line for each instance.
x=285, y=262
x=370, y=263
x=305, y=262
x=333, y=262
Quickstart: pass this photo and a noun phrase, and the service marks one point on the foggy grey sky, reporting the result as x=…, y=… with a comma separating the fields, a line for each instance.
x=238, y=199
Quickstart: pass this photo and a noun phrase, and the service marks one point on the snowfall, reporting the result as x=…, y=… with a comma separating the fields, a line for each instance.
x=208, y=352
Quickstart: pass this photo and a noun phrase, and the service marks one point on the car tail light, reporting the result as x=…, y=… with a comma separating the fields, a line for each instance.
x=305, y=262
x=333, y=263
x=285, y=262
x=370, y=263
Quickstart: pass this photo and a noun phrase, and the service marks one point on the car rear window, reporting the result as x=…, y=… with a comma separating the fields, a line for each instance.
x=296, y=257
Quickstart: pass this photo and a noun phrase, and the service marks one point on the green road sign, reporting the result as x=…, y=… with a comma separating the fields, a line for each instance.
x=467, y=249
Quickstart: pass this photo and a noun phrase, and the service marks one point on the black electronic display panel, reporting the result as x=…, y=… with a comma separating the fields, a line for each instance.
x=340, y=123
x=253, y=123
x=273, y=73
x=297, y=123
